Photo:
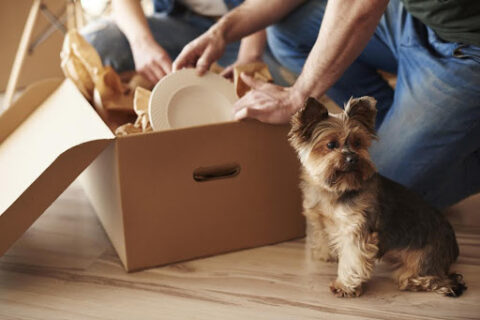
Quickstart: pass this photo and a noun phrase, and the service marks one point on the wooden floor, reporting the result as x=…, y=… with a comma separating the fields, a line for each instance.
x=65, y=268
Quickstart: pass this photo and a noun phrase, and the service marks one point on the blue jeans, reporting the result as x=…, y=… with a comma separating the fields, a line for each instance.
x=429, y=126
x=172, y=32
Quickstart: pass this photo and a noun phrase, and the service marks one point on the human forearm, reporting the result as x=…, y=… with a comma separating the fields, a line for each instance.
x=129, y=17
x=346, y=29
x=258, y=13
x=150, y=59
x=209, y=47
x=252, y=47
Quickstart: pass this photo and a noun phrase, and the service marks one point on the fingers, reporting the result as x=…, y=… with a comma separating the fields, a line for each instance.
x=165, y=63
x=260, y=106
x=186, y=58
x=248, y=113
x=249, y=106
x=147, y=73
x=179, y=61
x=154, y=72
x=249, y=100
x=157, y=70
x=205, y=61
x=200, y=53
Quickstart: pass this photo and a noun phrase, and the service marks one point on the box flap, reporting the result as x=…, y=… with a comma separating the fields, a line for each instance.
x=52, y=143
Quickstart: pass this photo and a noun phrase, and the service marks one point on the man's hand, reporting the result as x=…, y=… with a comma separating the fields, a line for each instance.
x=151, y=60
x=201, y=52
x=268, y=102
x=210, y=46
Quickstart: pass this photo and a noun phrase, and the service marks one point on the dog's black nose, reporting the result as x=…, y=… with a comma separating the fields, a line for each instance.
x=351, y=158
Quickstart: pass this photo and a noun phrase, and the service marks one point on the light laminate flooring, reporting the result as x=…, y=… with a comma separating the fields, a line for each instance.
x=64, y=267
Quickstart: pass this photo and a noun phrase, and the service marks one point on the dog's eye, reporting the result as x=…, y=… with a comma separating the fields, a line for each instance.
x=332, y=145
x=357, y=143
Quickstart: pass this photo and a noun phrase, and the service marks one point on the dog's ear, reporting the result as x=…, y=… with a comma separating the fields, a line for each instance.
x=363, y=110
x=306, y=119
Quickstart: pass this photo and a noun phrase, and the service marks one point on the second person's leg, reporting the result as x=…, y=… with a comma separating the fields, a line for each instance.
x=430, y=138
x=292, y=39
x=172, y=33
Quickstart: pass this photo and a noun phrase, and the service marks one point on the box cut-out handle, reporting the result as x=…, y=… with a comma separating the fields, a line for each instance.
x=223, y=171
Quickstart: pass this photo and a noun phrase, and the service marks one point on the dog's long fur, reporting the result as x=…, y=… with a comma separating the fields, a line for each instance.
x=358, y=216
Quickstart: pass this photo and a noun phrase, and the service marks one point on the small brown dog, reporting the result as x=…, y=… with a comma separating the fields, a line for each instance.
x=358, y=216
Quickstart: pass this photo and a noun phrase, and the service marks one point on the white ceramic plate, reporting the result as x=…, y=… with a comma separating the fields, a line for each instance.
x=183, y=99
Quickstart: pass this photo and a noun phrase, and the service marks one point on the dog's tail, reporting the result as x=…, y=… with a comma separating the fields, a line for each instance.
x=451, y=285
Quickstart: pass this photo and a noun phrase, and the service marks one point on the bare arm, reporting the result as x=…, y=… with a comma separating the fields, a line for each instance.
x=252, y=16
x=253, y=46
x=346, y=29
x=151, y=60
x=248, y=18
x=129, y=17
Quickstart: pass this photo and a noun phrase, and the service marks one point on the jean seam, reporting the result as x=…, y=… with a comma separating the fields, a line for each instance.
x=458, y=53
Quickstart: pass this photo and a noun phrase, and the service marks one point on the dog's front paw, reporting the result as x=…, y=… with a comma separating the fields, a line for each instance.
x=340, y=291
x=321, y=254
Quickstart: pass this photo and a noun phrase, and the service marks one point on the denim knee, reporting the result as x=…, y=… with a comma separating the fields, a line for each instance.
x=111, y=44
x=292, y=38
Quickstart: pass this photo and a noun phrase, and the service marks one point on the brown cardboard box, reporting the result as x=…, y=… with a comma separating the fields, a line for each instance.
x=162, y=197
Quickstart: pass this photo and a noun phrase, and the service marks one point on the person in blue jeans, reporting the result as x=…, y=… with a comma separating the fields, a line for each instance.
x=428, y=126
x=133, y=41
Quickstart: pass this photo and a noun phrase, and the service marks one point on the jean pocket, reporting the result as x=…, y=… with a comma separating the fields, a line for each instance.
x=464, y=51
x=417, y=35
x=443, y=48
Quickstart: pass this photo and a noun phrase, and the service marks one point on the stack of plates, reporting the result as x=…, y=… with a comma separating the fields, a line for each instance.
x=183, y=99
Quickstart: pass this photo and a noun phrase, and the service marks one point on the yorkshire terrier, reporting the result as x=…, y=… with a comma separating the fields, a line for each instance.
x=357, y=216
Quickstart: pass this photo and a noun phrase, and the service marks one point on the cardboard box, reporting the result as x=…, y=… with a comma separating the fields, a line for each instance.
x=161, y=197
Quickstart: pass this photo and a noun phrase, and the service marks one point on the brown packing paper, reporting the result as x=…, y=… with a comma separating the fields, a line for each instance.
x=216, y=68
x=74, y=69
x=110, y=93
x=257, y=70
x=128, y=128
x=136, y=80
x=140, y=102
x=80, y=62
x=140, y=105
x=100, y=85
